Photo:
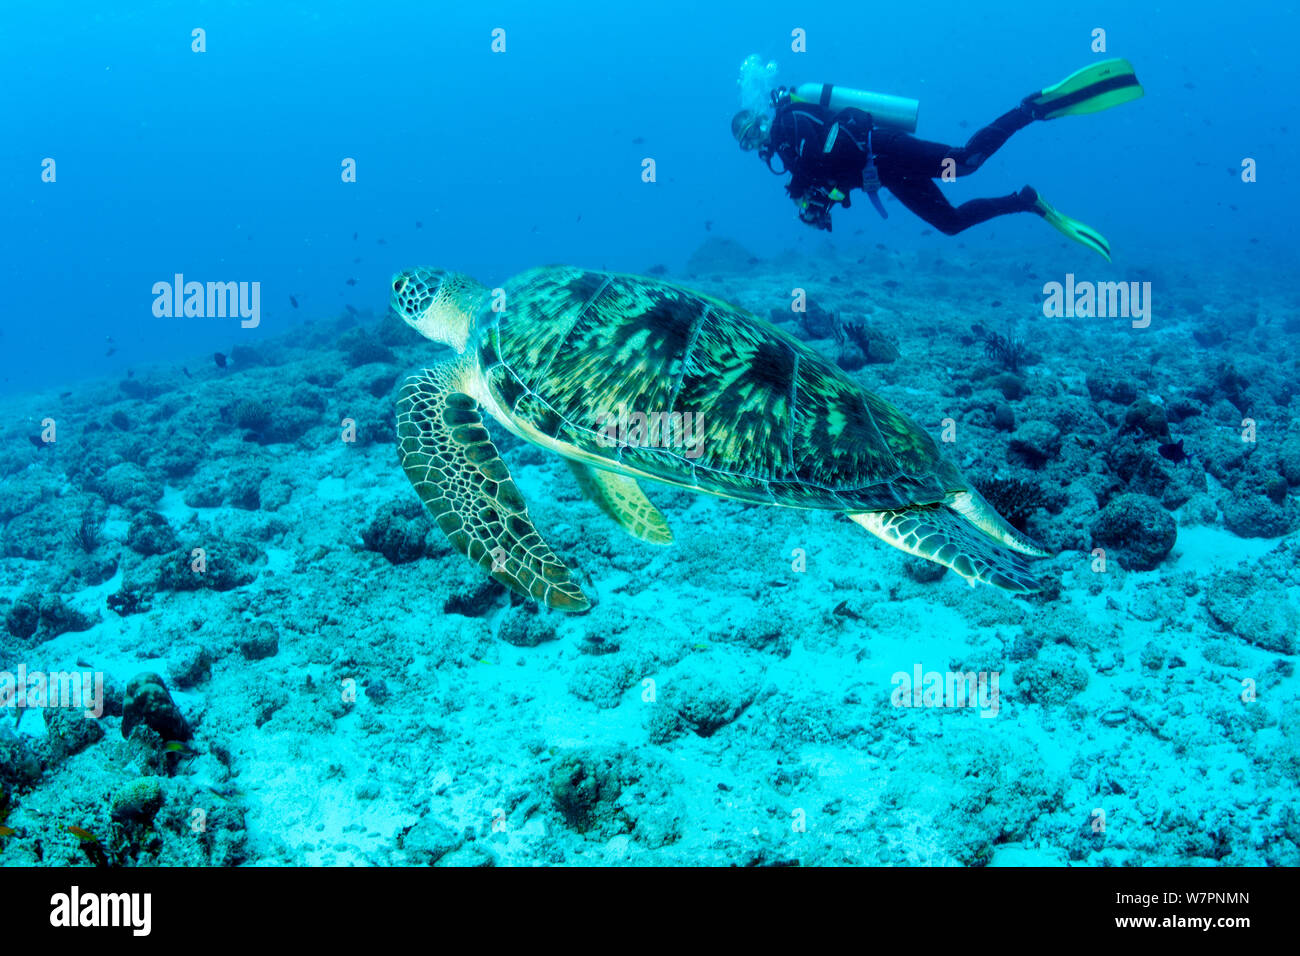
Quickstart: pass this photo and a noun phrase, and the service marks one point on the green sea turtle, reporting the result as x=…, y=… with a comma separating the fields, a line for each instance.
x=630, y=377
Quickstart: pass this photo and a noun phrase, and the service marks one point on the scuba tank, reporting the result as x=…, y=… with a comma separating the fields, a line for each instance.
x=894, y=112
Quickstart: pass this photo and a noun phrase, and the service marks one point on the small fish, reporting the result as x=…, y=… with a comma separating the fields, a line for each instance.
x=130, y=373
x=293, y=302
x=928, y=232
x=354, y=235
x=708, y=225
x=418, y=224
x=995, y=303
x=579, y=217
x=220, y=359
x=7, y=831
x=1174, y=452
x=351, y=309
x=82, y=834
x=186, y=371
x=639, y=140
x=701, y=647
x=383, y=242
x=356, y=260
x=179, y=748
x=352, y=282
x=112, y=350
x=65, y=394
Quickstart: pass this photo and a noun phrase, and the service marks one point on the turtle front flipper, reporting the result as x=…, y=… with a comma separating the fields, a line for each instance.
x=939, y=534
x=455, y=468
x=623, y=500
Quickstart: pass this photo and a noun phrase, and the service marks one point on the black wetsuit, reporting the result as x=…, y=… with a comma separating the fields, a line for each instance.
x=906, y=166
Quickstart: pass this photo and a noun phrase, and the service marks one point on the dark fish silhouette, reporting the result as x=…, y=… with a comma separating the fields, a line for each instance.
x=995, y=303
x=383, y=242
x=293, y=302
x=1174, y=452
x=638, y=141
x=708, y=225
x=418, y=224
x=354, y=235
x=186, y=371
x=351, y=310
x=352, y=282
x=219, y=359
x=65, y=394
x=112, y=350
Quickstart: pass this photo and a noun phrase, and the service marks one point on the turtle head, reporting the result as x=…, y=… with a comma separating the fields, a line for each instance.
x=438, y=304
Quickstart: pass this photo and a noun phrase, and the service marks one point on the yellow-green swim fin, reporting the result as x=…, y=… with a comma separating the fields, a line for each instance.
x=1072, y=228
x=1089, y=90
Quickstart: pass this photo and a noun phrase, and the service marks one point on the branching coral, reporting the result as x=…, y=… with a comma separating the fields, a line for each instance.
x=1007, y=351
x=86, y=535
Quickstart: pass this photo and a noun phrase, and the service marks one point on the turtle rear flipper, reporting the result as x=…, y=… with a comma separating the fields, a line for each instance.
x=455, y=468
x=623, y=500
x=971, y=505
x=939, y=534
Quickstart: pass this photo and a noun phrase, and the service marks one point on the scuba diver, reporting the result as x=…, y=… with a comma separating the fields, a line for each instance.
x=833, y=140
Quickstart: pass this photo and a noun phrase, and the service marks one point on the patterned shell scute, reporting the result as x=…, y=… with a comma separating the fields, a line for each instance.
x=731, y=404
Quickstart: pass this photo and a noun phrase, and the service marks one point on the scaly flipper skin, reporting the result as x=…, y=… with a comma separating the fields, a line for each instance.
x=455, y=468
x=623, y=500
x=938, y=533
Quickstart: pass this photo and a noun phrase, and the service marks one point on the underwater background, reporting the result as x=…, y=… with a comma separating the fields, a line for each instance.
x=338, y=686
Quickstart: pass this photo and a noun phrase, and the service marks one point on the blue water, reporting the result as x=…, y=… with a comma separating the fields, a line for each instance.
x=225, y=165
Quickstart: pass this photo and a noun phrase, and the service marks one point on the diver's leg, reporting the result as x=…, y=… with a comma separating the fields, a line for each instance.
x=989, y=140
x=924, y=198
x=907, y=156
